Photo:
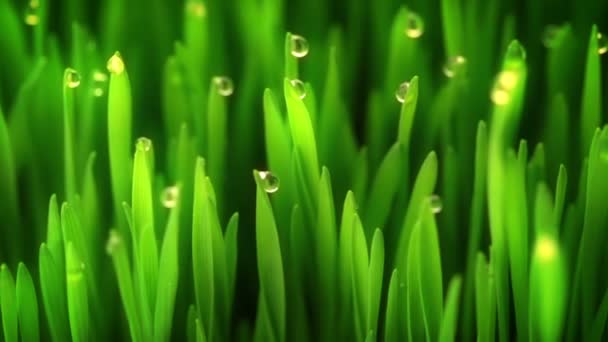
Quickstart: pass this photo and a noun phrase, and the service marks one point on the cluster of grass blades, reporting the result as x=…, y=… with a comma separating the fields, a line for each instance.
x=391, y=171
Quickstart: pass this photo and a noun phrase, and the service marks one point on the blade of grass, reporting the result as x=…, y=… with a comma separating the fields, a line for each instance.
x=78, y=305
x=270, y=264
x=27, y=305
x=8, y=304
x=52, y=284
x=591, y=102
x=449, y=323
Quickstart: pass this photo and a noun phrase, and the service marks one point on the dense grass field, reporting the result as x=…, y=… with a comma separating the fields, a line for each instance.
x=272, y=170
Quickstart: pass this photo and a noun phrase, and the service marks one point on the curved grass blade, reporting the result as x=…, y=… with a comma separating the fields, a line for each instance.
x=270, y=264
x=27, y=305
x=78, y=304
x=423, y=188
x=326, y=243
x=360, y=278
x=548, y=286
x=52, y=285
x=449, y=323
x=395, y=310
x=385, y=188
x=231, y=243
x=117, y=249
x=591, y=102
x=8, y=305
x=119, y=134
x=376, y=274
x=70, y=178
x=168, y=277
x=217, y=139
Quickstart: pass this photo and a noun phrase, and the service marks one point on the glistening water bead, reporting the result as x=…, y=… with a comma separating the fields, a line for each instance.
x=270, y=182
x=72, y=78
x=505, y=82
x=115, y=64
x=299, y=46
x=414, y=25
x=99, y=80
x=454, y=66
x=31, y=13
x=224, y=85
x=299, y=88
x=401, y=91
x=170, y=196
x=602, y=43
x=549, y=35
x=436, y=204
x=143, y=144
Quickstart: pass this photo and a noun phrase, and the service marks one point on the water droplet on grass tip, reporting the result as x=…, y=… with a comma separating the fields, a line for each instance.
x=436, y=204
x=414, y=25
x=224, y=85
x=170, y=196
x=72, y=78
x=299, y=46
x=115, y=64
x=299, y=87
x=546, y=248
x=504, y=84
x=113, y=242
x=401, y=91
x=549, y=35
x=602, y=43
x=270, y=182
x=196, y=8
x=454, y=66
x=143, y=144
x=31, y=13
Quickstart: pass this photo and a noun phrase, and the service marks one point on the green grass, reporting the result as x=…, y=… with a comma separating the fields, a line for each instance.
x=303, y=170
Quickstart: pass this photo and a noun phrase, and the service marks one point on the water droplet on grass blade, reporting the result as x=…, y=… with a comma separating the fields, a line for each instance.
x=546, y=248
x=71, y=78
x=455, y=66
x=602, y=43
x=224, y=85
x=99, y=80
x=401, y=91
x=115, y=64
x=31, y=13
x=436, y=204
x=196, y=8
x=113, y=242
x=504, y=84
x=143, y=144
x=299, y=87
x=170, y=196
x=549, y=35
x=299, y=46
x=270, y=182
x=414, y=25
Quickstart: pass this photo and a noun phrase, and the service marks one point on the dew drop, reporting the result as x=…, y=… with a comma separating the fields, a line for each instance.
x=454, y=66
x=270, y=182
x=549, y=36
x=31, y=13
x=299, y=46
x=143, y=144
x=115, y=64
x=170, y=196
x=436, y=204
x=546, y=248
x=299, y=88
x=71, y=78
x=602, y=43
x=113, y=242
x=99, y=82
x=401, y=91
x=414, y=26
x=196, y=8
x=224, y=85
x=505, y=82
